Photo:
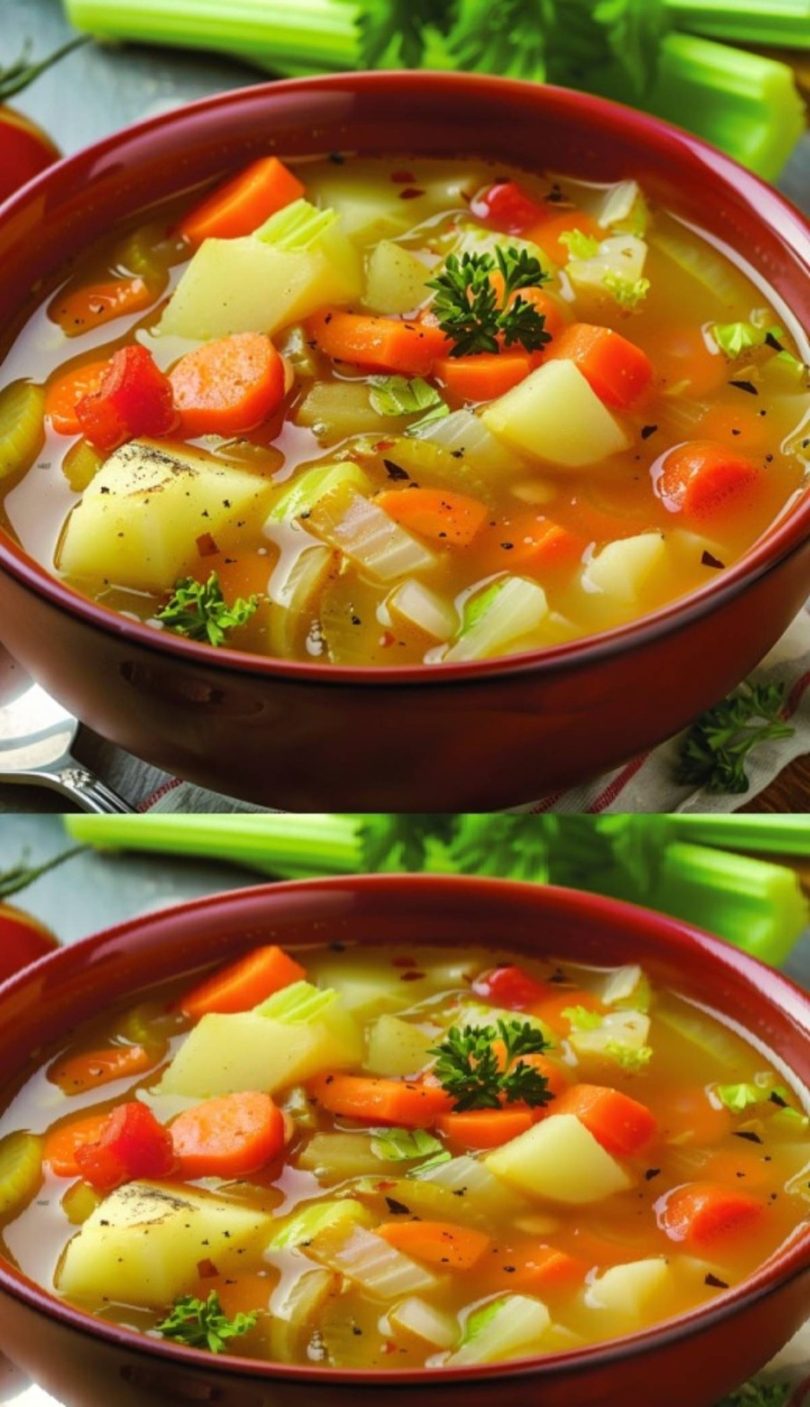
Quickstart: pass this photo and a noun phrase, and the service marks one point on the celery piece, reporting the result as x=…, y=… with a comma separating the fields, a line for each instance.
x=20, y=1171
x=22, y=426
x=754, y=904
x=783, y=23
x=305, y=1225
x=777, y=835
x=295, y=1307
x=368, y=1259
x=296, y=227
x=502, y=1329
x=299, y=1002
x=508, y=610
x=402, y=1145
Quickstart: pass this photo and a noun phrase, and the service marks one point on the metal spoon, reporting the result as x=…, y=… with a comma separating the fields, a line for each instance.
x=36, y=738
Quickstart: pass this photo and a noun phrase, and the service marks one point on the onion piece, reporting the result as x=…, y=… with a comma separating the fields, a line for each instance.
x=424, y=608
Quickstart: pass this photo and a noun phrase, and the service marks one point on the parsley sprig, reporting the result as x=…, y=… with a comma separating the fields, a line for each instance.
x=473, y=311
x=469, y=1069
x=758, y=1395
x=713, y=752
x=199, y=611
x=202, y=1323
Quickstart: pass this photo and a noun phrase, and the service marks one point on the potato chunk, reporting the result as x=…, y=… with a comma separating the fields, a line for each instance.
x=143, y=1243
x=554, y=415
x=139, y=520
x=559, y=1159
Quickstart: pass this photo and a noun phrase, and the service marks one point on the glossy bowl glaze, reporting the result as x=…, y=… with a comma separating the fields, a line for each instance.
x=688, y=1362
x=476, y=735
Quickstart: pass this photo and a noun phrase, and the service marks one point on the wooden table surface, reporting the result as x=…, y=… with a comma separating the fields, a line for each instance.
x=98, y=90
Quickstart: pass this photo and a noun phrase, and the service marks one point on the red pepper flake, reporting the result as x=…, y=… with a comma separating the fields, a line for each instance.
x=403, y=178
x=411, y=193
x=413, y=976
x=206, y=546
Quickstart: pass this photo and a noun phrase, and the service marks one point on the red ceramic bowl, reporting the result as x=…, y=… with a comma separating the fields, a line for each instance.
x=688, y=1362
x=303, y=736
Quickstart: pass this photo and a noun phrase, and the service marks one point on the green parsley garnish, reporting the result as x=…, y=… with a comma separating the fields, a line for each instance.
x=758, y=1395
x=202, y=1324
x=473, y=313
x=199, y=611
x=714, y=750
x=469, y=1070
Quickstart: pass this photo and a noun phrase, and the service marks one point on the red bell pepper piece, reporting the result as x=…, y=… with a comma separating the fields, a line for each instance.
x=510, y=987
x=132, y=1144
x=133, y=398
x=507, y=206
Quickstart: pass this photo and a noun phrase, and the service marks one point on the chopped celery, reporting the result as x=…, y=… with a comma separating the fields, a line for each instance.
x=307, y=1223
x=627, y=986
x=463, y=434
x=471, y=1183
x=300, y=495
x=782, y=23
x=401, y=395
x=430, y=457
x=424, y=608
x=20, y=1171
x=292, y=589
x=621, y=1036
x=508, y=611
x=22, y=426
x=734, y=338
x=361, y=529
x=79, y=1202
x=335, y=1156
x=294, y=346
x=615, y=265
x=300, y=1001
x=81, y=464
x=779, y=835
x=763, y=1090
x=422, y=1195
x=296, y=227
x=503, y=1328
x=368, y=1260
x=295, y=1308
x=425, y=1321
x=298, y=1106
x=404, y=1145
x=624, y=208
x=334, y=410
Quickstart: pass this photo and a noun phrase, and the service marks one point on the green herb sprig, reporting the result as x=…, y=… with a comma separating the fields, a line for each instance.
x=473, y=313
x=758, y=1395
x=469, y=1070
x=202, y=1323
x=199, y=611
x=713, y=752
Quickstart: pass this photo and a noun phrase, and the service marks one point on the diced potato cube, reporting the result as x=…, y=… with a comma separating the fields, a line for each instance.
x=142, y=1245
x=630, y=1291
x=396, y=1047
x=395, y=279
x=139, y=520
x=624, y=570
x=559, y=1159
x=555, y=416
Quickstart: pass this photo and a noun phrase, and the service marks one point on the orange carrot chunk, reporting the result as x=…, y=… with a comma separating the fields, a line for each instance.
x=63, y=395
x=228, y=386
x=704, y=480
x=238, y=1294
x=485, y=1128
x=449, y=518
x=83, y=309
x=527, y=541
x=244, y=984
x=438, y=1242
x=617, y=370
x=547, y=233
x=484, y=376
x=702, y=1213
x=409, y=1103
x=91, y=1068
x=231, y=1136
x=243, y=203
x=384, y=344
x=622, y=1125
x=62, y=1143
x=538, y=1269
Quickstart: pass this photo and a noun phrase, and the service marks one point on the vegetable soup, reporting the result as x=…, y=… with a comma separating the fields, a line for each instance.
x=373, y=411
x=390, y=1158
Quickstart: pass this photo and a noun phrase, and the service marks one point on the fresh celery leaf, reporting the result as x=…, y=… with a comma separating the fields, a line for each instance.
x=401, y=1145
x=582, y=1019
x=713, y=751
x=396, y=29
x=734, y=338
x=399, y=395
x=758, y=1395
x=630, y=1057
x=628, y=292
x=401, y=842
x=579, y=245
x=202, y=1323
x=199, y=611
x=508, y=38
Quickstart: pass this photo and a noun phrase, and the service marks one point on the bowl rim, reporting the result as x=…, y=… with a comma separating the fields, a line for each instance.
x=784, y=537
x=790, y=1262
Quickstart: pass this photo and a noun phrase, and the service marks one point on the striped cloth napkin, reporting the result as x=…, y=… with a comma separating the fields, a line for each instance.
x=645, y=784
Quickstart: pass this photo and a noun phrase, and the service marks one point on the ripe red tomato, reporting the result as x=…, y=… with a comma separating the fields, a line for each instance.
x=23, y=939
x=25, y=150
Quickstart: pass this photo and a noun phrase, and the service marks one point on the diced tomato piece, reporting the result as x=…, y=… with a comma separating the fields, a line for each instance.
x=131, y=1144
x=507, y=206
x=133, y=398
x=512, y=987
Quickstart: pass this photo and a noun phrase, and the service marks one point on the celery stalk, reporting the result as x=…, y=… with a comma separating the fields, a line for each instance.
x=782, y=22
x=777, y=835
x=754, y=904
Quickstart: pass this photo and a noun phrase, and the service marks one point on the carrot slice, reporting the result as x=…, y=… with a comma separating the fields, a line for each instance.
x=231, y=1136
x=525, y=1265
x=385, y=344
x=62, y=1143
x=527, y=541
x=438, y=1242
x=450, y=518
x=622, y=1125
x=63, y=395
x=228, y=386
x=485, y=1128
x=703, y=480
x=85, y=308
x=552, y=1011
x=547, y=233
x=243, y=203
x=617, y=370
x=244, y=984
x=91, y=1068
x=410, y=1103
x=702, y=1213
x=484, y=376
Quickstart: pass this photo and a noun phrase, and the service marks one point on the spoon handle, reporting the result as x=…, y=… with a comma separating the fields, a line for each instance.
x=89, y=793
